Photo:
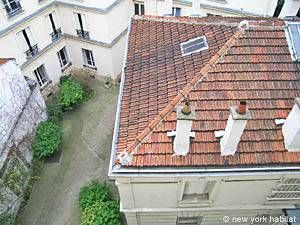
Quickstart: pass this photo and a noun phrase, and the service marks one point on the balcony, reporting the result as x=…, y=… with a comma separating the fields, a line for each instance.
x=32, y=52
x=83, y=34
x=55, y=35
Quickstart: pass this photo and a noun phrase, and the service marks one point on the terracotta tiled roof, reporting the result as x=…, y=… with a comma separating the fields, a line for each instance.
x=4, y=60
x=253, y=65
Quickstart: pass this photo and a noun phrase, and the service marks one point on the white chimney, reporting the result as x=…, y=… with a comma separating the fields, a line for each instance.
x=236, y=123
x=196, y=8
x=291, y=129
x=167, y=11
x=183, y=134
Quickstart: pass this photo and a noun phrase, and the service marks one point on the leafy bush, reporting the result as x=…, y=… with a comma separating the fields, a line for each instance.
x=55, y=112
x=62, y=79
x=98, y=208
x=92, y=193
x=71, y=93
x=7, y=220
x=47, y=140
x=102, y=213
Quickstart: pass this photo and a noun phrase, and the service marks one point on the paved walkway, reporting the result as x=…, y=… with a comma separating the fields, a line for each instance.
x=85, y=156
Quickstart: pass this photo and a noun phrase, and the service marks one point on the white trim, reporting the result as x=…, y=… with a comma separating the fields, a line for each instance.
x=117, y=118
x=198, y=50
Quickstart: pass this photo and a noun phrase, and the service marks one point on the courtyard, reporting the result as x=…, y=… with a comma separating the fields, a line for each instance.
x=85, y=156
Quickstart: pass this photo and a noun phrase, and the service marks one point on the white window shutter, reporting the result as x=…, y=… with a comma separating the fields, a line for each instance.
x=56, y=20
x=48, y=22
x=76, y=21
x=84, y=22
x=30, y=36
x=21, y=41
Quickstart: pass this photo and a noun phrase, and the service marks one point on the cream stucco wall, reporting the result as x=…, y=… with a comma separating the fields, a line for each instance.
x=158, y=200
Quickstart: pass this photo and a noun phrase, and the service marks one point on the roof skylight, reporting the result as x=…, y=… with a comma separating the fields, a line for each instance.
x=293, y=30
x=194, y=45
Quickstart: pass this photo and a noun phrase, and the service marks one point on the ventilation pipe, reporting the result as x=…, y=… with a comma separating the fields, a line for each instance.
x=291, y=129
x=236, y=123
x=183, y=134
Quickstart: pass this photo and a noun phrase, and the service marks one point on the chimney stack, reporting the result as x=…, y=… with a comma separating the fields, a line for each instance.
x=291, y=129
x=182, y=135
x=196, y=8
x=236, y=123
x=167, y=10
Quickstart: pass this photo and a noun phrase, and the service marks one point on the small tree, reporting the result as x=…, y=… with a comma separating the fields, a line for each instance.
x=47, y=140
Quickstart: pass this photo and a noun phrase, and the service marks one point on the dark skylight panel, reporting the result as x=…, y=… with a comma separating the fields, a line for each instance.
x=194, y=45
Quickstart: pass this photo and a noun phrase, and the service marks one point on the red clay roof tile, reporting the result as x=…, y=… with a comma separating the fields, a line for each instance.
x=254, y=65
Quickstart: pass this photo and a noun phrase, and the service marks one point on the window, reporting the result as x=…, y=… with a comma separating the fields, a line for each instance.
x=176, y=11
x=139, y=9
x=287, y=189
x=27, y=43
x=189, y=220
x=88, y=57
x=278, y=8
x=194, y=45
x=41, y=76
x=197, y=192
x=293, y=30
x=81, y=26
x=63, y=57
x=12, y=6
x=54, y=28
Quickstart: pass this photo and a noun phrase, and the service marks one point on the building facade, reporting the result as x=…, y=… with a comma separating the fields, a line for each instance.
x=50, y=37
x=22, y=107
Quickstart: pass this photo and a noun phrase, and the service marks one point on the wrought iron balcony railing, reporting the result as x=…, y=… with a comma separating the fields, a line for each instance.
x=56, y=34
x=32, y=51
x=83, y=34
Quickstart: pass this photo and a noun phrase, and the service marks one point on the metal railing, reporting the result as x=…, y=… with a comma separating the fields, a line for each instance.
x=83, y=34
x=32, y=52
x=56, y=34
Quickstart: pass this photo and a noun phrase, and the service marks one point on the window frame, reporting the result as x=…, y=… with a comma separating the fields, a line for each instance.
x=141, y=8
x=290, y=40
x=41, y=80
x=195, y=51
x=197, y=219
x=8, y=6
x=174, y=11
x=61, y=61
x=86, y=60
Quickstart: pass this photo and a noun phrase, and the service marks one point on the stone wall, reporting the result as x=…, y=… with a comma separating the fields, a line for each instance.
x=22, y=107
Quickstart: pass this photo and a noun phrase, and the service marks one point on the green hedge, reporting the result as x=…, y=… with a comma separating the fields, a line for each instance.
x=55, y=112
x=102, y=213
x=97, y=205
x=93, y=192
x=47, y=139
x=71, y=93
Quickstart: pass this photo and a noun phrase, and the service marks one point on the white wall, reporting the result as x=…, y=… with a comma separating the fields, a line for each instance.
x=150, y=199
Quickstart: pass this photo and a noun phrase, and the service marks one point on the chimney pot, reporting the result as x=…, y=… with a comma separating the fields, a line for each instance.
x=241, y=109
x=186, y=110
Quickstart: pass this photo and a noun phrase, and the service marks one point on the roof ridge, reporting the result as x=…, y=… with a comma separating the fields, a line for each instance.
x=185, y=20
x=181, y=95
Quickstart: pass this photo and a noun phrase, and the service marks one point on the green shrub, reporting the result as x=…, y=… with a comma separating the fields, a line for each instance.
x=102, y=213
x=92, y=193
x=47, y=139
x=55, y=112
x=7, y=220
x=62, y=79
x=71, y=93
